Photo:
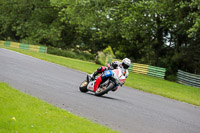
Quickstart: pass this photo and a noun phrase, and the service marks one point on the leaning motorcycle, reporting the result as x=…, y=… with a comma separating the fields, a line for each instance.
x=115, y=78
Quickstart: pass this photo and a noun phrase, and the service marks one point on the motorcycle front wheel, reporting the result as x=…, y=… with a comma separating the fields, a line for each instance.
x=102, y=91
x=83, y=86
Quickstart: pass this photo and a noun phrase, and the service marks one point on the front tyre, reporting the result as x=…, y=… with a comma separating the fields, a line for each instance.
x=102, y=91
x=83, y=86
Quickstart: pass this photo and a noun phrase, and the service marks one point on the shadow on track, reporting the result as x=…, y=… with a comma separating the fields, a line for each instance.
x=106, y=97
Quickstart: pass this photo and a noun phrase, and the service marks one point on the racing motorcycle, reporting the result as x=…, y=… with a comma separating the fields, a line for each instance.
x=114, y=79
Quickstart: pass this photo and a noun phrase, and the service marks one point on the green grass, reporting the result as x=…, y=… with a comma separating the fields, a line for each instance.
x=142, y=82
x=21, y=113
x=164, y=88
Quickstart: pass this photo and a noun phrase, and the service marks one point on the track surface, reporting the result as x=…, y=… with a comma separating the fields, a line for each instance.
x=127, y=110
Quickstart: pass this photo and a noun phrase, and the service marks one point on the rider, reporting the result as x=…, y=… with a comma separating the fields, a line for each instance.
x=114, y=65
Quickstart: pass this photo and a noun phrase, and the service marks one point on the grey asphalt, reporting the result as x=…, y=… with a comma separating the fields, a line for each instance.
x=127, y=110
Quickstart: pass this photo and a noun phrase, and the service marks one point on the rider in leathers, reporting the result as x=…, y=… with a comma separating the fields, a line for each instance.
x=114, y=65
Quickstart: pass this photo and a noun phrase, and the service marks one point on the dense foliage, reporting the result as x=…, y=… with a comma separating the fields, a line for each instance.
x=76, y=54
x=164, y=33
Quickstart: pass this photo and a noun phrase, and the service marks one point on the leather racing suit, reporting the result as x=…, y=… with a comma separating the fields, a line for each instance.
x=102, y=77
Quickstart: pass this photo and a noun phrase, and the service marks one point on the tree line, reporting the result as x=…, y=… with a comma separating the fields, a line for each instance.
x=163, y=33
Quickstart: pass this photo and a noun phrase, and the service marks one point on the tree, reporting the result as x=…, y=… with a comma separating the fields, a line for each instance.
x=157, y=32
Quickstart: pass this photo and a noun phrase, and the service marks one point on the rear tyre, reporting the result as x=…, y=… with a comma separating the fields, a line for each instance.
x=102, y=92
x=83, y=86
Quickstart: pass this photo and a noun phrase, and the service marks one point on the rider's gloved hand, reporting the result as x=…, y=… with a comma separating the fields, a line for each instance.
x=110, y=68
x=122, y=84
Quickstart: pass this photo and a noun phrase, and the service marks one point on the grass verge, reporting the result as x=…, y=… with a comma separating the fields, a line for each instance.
x=142, y=82
x=22, y=113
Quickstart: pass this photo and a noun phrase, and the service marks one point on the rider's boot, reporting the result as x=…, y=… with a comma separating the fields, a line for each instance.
x=93, y=75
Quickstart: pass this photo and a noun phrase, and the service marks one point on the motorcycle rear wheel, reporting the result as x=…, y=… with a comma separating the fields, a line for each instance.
x=100, y=93
x=83, y=86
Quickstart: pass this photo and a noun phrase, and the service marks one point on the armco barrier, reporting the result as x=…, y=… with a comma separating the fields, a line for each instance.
x=140, y=68
x=130, y=68
x=24, y=46
x=1, y=42
x=35, y=48
x=156, y=71
x=188, y=79
x=145, y=69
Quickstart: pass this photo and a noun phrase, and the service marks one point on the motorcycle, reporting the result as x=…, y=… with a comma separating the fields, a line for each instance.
x=114, y=79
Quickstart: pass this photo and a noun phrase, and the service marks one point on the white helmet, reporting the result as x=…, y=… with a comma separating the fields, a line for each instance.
x=126, y=63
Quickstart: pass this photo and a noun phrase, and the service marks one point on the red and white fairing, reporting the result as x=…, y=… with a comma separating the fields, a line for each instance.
x=119, y=75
